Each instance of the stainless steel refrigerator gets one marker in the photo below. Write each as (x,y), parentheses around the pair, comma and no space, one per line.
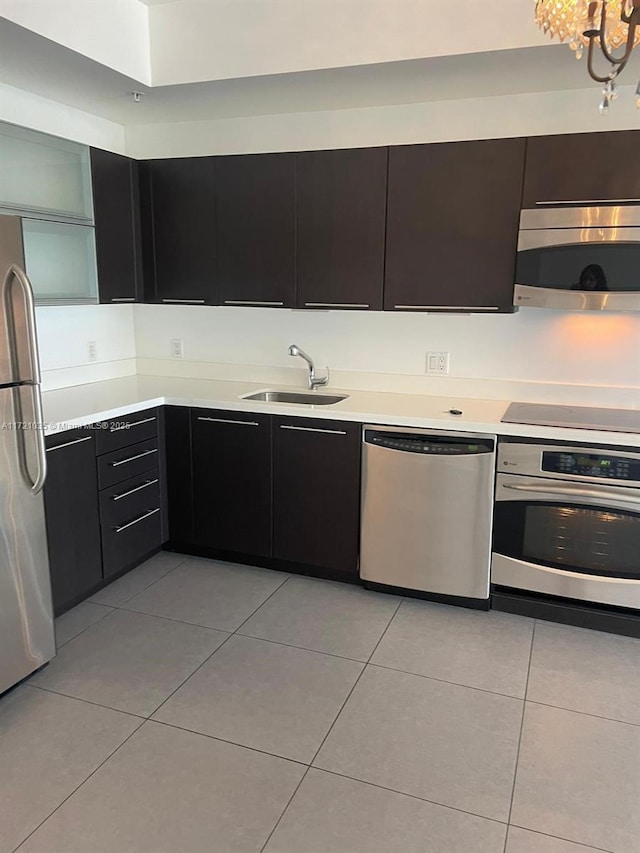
(26,615)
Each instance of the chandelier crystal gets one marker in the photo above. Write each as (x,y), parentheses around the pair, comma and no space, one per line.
(610,27)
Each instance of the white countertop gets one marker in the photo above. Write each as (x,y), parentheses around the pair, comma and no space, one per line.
(97,401)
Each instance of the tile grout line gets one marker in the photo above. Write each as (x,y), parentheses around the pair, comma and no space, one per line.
(517,761)
(357,681)
(208,658)
(77,788)
(144,589)
(109,607)
(262,604)
(310,765)
(444,681)
(302,648)
(561,838)
(582,713)
(230,742)
(289,801)
(87,701)
(412,796)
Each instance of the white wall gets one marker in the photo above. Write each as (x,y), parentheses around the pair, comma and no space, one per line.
(493,356)
(194,40)
(43,114)
(112,32)
(63,336)
(572,111)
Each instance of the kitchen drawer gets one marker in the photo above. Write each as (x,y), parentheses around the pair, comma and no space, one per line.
(125,430)
(127,544)
(130,499)
(129,462)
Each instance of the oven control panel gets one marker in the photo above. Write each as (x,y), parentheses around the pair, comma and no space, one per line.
(603,466)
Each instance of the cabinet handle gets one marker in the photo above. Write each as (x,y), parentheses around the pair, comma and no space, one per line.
(132,458)
(251,302)
(225,421)
(184,301)
(123,299)
(337,304)
(133,491)
(451,307)
(69,443)
(588,201)
(136,521)
(312,429)
(132,424)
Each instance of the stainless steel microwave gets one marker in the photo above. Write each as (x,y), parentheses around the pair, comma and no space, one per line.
(579,258)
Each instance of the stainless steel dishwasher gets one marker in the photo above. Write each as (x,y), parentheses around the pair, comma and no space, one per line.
(426,517)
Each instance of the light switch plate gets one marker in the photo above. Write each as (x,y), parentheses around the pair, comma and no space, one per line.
(177,348)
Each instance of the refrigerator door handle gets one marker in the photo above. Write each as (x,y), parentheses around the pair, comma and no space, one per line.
(36,426)
(33,380)
(30,317)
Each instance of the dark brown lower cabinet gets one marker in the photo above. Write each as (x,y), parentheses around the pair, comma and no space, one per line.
(179,484)
(131,490)
(73,518)
(231,457)
(316,493)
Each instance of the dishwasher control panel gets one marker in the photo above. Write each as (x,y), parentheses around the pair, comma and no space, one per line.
(432,445)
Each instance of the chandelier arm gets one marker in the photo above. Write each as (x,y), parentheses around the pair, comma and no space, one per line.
(635,11)
(590,68)
(631,37)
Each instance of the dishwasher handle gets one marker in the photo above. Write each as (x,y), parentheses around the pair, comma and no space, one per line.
(429,444)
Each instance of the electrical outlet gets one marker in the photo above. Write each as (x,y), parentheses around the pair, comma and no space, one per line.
(177,348)
(92,350)
(438,363)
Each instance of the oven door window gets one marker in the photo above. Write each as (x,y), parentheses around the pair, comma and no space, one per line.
(589,540)
(585,267)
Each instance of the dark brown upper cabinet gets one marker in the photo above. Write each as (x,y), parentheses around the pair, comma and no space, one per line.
(178,197)
(117,221)
(341,224)
(582,167)
(316,493)
(255,198)
(452,225)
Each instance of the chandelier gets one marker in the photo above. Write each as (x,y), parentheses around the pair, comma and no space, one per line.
(610,27)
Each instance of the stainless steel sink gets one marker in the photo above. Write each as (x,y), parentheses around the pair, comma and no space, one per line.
(302,398)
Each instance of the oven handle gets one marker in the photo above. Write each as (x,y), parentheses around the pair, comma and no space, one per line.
(572,491)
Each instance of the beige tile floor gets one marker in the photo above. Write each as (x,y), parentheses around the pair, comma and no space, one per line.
(200,707)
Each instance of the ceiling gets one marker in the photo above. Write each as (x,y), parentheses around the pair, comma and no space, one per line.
(31,62)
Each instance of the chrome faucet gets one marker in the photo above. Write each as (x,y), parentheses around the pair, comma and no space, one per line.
(314,382)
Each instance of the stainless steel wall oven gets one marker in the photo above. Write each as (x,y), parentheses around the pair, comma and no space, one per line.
(567,522)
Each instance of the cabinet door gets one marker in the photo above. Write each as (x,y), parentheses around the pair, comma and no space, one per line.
(256,229)
(116,213)
(452,225)
(316,493)
(73,519)
(179,480)
(232,481)
(183,209)
(340,227)
(582,167)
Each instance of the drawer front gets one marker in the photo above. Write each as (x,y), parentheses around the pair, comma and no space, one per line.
(129,462)
(125,430)
(129,543)
(128,500)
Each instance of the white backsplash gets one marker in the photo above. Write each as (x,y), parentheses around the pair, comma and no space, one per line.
(63,336)
(546,356)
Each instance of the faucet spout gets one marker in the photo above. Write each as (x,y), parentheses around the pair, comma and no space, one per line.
(314,381)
